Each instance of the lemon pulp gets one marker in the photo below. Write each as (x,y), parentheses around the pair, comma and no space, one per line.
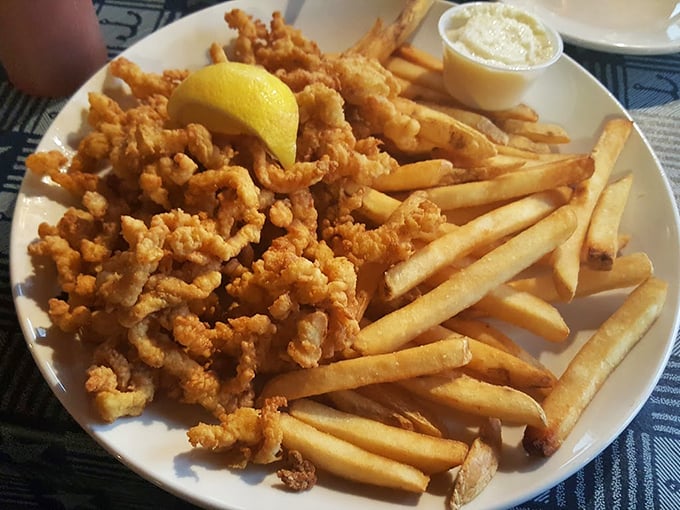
(234,98)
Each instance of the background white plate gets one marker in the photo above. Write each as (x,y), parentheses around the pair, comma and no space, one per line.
(155,444)
(642,27)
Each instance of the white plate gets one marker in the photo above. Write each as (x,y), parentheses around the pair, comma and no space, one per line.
(155,444)
(636,27)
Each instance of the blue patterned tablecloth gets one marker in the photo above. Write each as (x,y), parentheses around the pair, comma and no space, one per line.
(47,461)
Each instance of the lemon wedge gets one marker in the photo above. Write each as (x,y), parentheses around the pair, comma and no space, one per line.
(234,98)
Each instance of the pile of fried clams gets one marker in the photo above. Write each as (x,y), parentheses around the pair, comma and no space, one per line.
(197,267)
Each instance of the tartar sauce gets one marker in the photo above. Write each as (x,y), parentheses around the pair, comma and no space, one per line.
(501,36)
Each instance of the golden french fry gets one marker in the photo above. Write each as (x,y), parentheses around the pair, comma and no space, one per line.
(426,453)
(381,41)
(567,257)
(377,206)
(524,310)
(627,271)
(463,215)
(493,337)
(526,144)
(518,152)
(353,373)
(348,461)
(416,74)
(551,174)
(602,240)
(457,243)
(479,466)
(494,364)
(354,402)
(540,132)
(416,92)
(421,174)
(520,112)
(470,395)
(593,364)
(422,417)
(467,286)
(419,57)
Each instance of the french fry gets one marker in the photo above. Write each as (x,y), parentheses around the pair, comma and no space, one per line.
(527,144)
(567,257)
(422,417)
(353,373)
(470,395)
(463,215)
(496,365)
(627,271)
(381,41)
(593,364)
(410,90)
(540,132)
(419,57)
(524,310)
(479,466)
(453,245)
(351,401)
(602,242)
(426,453)
(466,286)
(421,174)
(348,461)
(416,74)
(549,175)
(520,112)
(492,337)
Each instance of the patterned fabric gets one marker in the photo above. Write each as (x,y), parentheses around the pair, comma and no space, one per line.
(47,461)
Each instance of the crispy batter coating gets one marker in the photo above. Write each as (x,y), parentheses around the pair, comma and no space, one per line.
(254,434)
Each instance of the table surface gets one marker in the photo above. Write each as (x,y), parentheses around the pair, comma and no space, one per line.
(47,461)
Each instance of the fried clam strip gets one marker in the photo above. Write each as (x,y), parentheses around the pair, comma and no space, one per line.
(325,133)
(248,434)
(309,292)
(120,387)
(366,86)
(195,383)
(593,364)
(466,286)
(427,453)
(354,373)
(415,219)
